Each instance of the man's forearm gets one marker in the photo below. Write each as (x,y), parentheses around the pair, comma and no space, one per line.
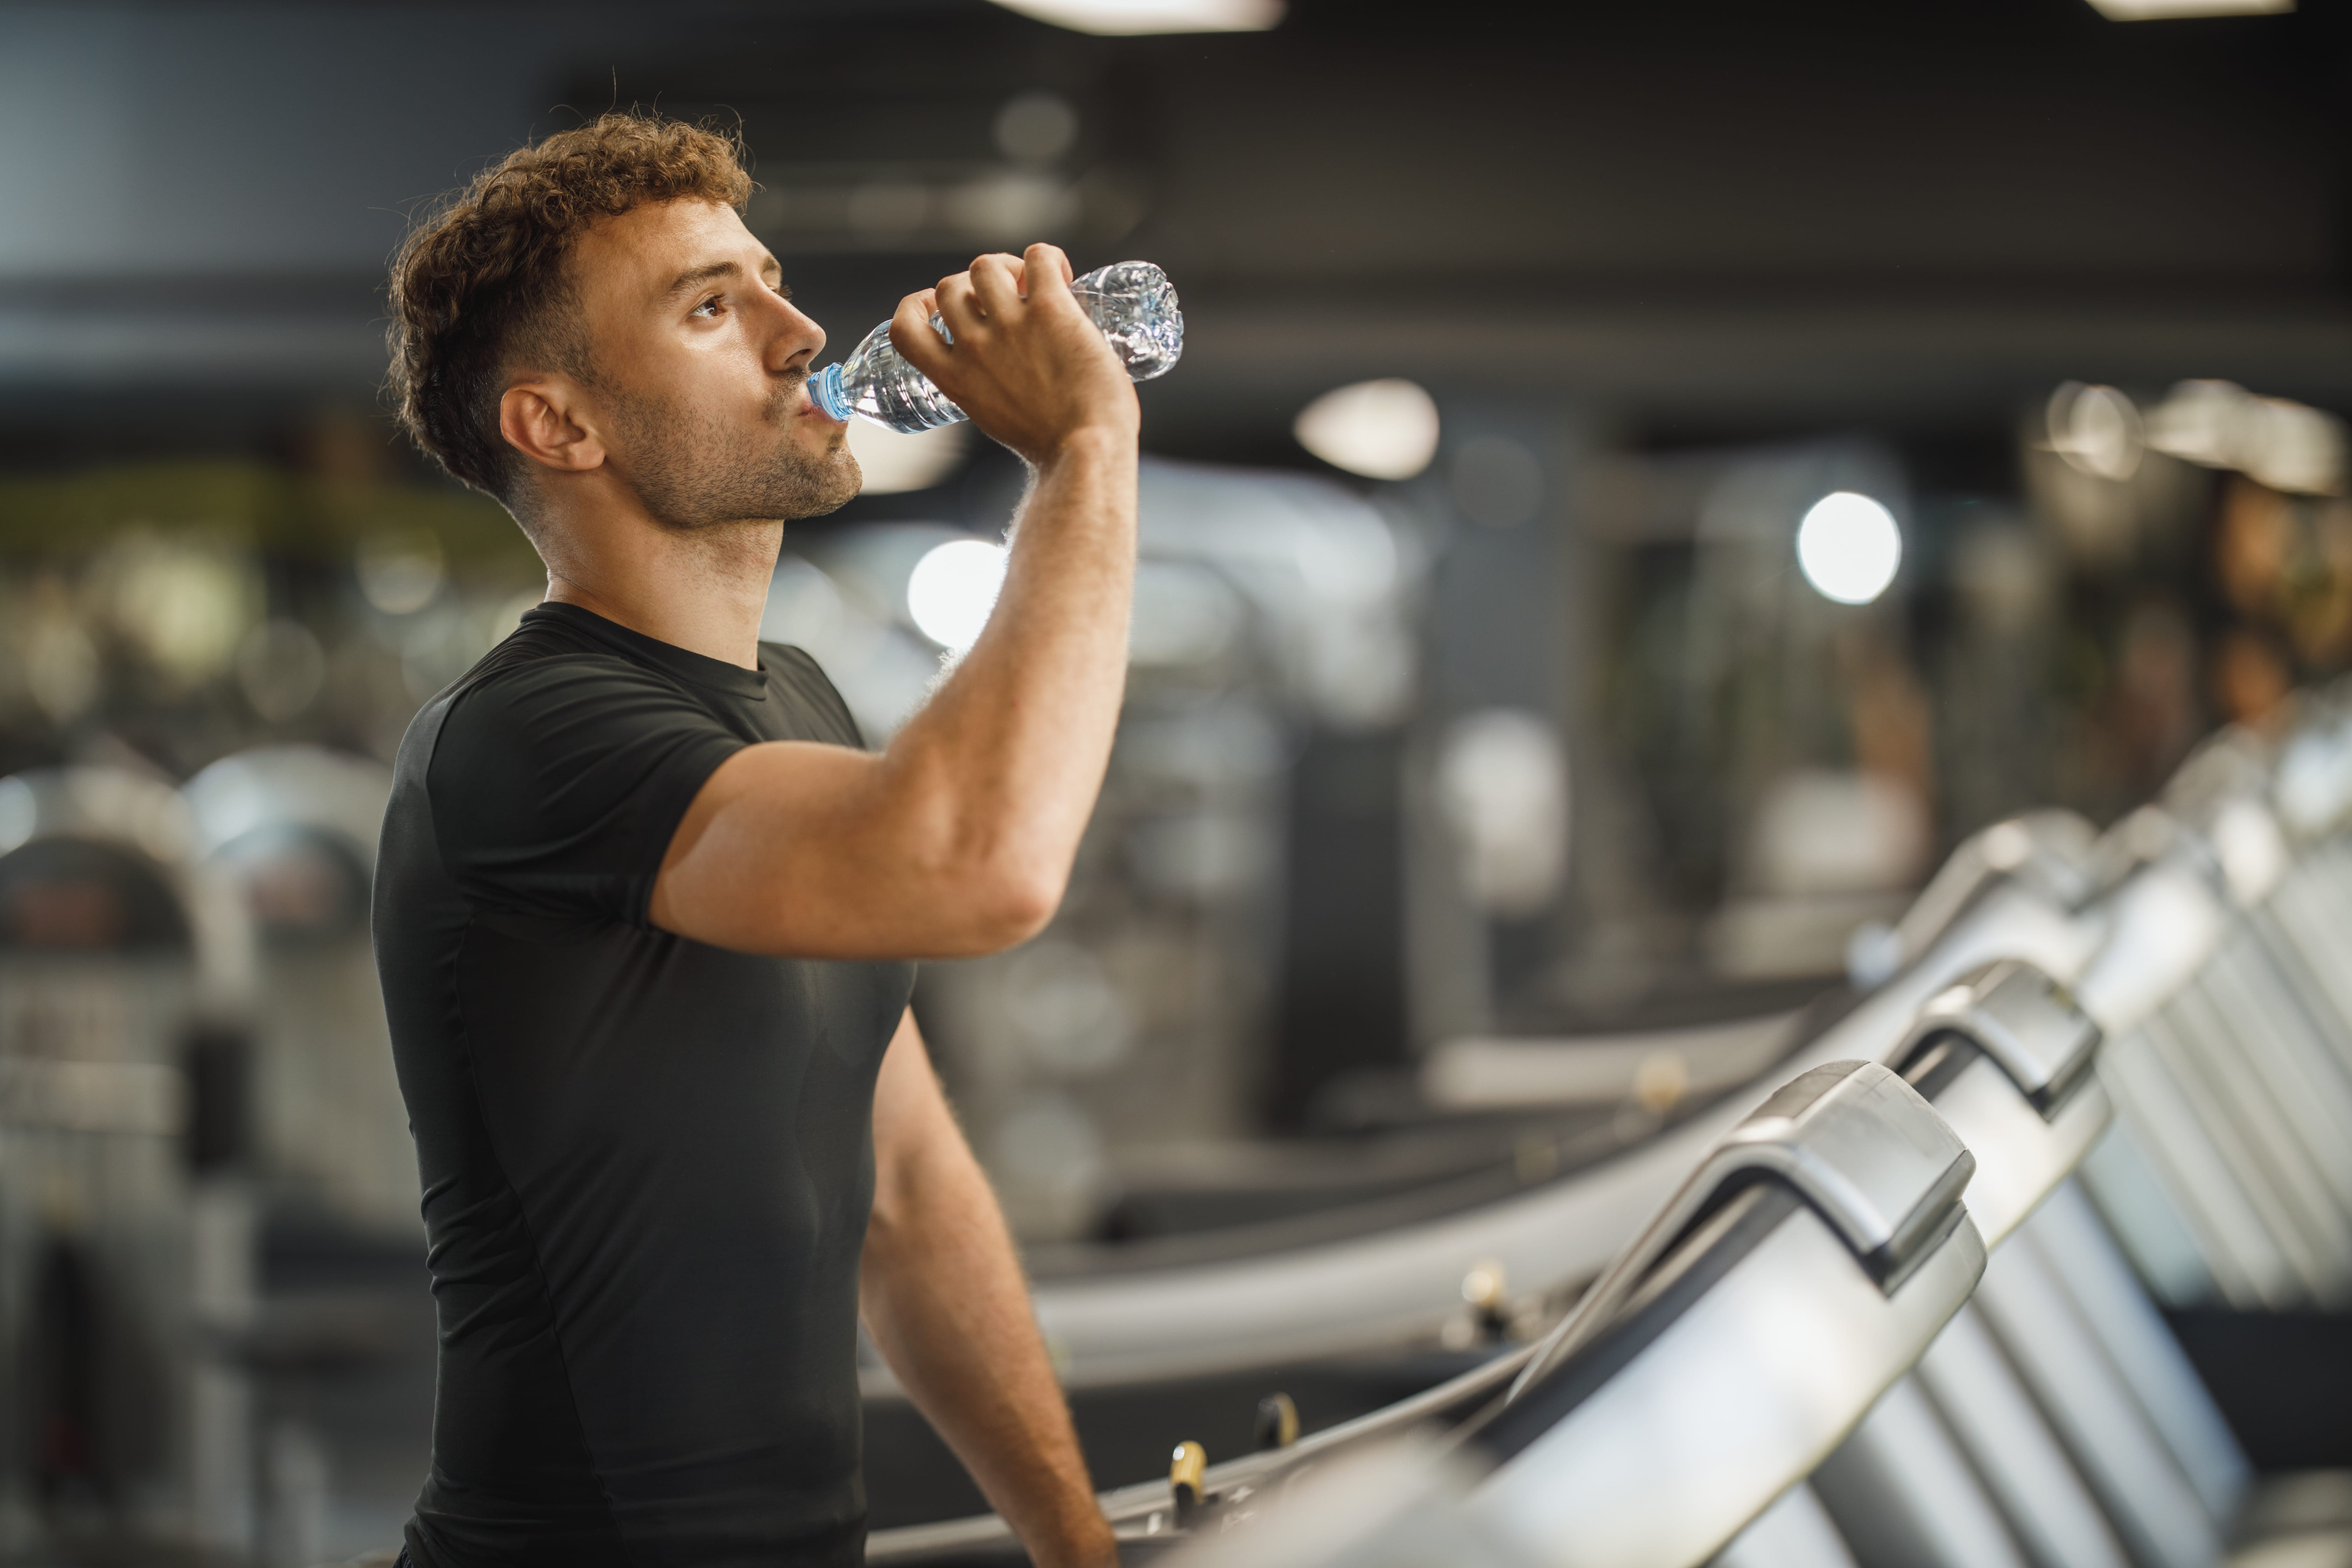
(1016,741)
(944,1300)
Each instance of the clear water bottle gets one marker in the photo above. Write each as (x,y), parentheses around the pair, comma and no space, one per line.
(1131,301)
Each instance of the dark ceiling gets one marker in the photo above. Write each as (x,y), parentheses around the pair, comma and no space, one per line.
(1716,215)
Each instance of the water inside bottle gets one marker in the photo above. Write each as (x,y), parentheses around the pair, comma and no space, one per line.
(1131,301)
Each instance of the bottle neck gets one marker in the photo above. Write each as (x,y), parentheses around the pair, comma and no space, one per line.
(826,390)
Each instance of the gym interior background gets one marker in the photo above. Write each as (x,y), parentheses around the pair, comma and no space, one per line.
(1642,485)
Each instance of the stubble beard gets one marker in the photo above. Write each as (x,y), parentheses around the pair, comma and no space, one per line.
(693,472)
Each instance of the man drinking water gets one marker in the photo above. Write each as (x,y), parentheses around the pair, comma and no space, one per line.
(646,909)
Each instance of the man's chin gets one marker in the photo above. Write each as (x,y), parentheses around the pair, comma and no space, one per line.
(839,481)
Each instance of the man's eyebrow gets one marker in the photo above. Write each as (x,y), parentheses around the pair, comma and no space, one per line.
(695,277)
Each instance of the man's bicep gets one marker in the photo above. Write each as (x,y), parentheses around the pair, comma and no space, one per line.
(767,856)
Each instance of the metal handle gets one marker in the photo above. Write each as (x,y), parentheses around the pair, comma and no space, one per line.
(2030,1026)
(1855,1141)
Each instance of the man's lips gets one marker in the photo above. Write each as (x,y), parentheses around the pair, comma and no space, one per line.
(798,405)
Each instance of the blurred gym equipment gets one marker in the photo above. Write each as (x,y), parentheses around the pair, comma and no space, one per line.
(2055,1422)
(1802,1267)
(126,1228)
(294,828)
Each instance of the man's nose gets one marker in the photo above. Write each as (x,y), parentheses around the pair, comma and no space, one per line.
(798,339)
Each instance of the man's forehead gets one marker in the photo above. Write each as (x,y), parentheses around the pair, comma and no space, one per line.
(649,245)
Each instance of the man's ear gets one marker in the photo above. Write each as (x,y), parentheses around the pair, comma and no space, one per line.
(539,419)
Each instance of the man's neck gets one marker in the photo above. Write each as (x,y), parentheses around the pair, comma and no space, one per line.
(702,590)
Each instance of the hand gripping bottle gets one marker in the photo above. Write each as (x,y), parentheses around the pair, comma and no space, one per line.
(1131,301)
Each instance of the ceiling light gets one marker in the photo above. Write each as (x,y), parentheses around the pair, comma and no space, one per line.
(2297,449)
(2097,430)
(1380,429)
(2287,446)
(1848,547)
(1133,17)
(2168,10)
(953,588)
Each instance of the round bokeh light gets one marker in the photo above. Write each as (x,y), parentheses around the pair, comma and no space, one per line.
(953,588)
(1848,547)
(1380,429)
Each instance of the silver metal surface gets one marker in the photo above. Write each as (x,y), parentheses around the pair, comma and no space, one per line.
(2146,1222)
(1746,1391)
(2025,1103)
(2026,1022)
(1855,1140)
(2304,965)
(2019,1156)
(1864,1148)
(1395,1504)
(2218,1067)
(2312,787)
(2051,853)
(1903,1496)
(2066,1234)
(2234,1231)
(2315,915)
(1735,1397)
(2252,999)
(2050,1510)
(2165,920)
(1794,1532)
(2221,796)
(2180,1048)
(1143,1511)
(2145,1492)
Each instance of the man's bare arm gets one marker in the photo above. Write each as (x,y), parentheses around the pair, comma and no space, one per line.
(958,838)
(942,1295)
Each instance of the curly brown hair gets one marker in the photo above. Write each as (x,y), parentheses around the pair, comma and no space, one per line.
(478,287)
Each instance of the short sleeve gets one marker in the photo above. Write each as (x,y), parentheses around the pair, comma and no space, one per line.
(557,785)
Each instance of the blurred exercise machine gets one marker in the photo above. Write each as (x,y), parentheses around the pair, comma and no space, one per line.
(295,829)
(126,1235)
(2056,1421)
(342,1301)
(1804,1265)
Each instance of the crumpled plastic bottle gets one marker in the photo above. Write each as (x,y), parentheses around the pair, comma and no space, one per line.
(1131,301)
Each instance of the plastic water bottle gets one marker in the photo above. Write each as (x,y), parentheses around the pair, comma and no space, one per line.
(1131,301)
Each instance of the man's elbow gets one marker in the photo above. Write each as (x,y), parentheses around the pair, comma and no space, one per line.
(1007,905)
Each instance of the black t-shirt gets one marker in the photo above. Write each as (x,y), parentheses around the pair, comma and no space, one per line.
(648,1163)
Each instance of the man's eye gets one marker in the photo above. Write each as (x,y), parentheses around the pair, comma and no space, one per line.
(709,308)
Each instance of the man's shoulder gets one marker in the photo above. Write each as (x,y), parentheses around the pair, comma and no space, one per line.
(541,661)
(546,697)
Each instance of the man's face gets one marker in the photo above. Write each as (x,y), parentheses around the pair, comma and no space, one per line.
(700,367)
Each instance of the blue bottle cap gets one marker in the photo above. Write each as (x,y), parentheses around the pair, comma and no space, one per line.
(826,390)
